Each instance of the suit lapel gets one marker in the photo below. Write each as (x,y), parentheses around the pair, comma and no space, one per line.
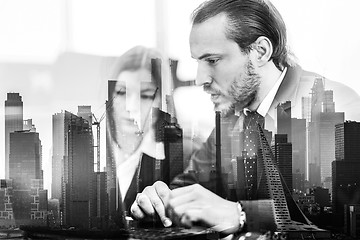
(288,89)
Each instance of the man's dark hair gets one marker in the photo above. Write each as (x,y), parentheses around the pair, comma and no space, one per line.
(248,20)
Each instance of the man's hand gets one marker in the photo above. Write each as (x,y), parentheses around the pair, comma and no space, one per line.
(152,201)
(187,206)
(195,204)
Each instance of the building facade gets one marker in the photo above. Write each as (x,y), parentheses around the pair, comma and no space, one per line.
(13,122)
(25,158)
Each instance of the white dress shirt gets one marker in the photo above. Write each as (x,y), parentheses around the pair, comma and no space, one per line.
(126,165)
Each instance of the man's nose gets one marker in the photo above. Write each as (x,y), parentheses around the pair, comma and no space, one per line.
(202,76)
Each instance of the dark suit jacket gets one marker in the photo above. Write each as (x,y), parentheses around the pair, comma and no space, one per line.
(144,176)
(297,84)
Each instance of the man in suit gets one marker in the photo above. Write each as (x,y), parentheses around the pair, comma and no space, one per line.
(243,63)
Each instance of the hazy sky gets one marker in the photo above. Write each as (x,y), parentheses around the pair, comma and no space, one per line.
(323,34)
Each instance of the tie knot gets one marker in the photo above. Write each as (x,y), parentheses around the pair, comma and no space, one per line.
(247,111)
(250,114)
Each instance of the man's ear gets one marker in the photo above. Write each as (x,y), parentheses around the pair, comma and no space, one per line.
(264,50)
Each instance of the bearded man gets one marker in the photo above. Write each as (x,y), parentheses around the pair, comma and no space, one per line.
(244,64)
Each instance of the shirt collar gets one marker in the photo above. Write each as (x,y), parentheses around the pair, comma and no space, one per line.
(152,148)
(269,98)
(147,146)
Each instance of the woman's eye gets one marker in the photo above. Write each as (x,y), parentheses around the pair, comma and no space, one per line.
(146,96)
(121,92)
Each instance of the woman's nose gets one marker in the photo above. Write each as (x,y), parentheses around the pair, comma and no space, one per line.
(133,105)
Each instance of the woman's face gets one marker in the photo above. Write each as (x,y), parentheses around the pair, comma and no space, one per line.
(133,99)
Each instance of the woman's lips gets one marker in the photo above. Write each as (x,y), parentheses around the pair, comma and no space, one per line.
(129,121)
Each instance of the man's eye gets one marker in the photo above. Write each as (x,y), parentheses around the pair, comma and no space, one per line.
(212,60)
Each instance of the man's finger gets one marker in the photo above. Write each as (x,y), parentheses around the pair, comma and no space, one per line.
(160,201)
(144,202)
(187,189)
(179,200)
(136,211)
(189,217)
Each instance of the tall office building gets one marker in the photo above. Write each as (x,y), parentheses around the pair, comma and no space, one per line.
(282,151)
(13,122)
(85,113)
(59,131)
(283,115)
(78,173)
(172,136)
(73,155)
(100,199)
(298,181)
(306,108)
(346,168)
(352,221)
(328,120)
(25,158)
(347,139)
(321,145)
(99,206)
(328,104)
(345,187)
(299,146)
(316,99)
(110,161)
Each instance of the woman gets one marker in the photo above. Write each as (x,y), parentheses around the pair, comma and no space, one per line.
(131,118)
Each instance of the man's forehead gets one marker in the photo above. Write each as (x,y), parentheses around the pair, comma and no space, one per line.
(208,37)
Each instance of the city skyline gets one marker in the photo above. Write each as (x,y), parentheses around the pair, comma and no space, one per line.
(39,86)
(62,67)
(281,149)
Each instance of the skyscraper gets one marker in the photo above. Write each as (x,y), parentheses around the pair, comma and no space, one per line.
(317,93)
(85,113)
(321,143)
(282,150)
(110,161)
(100,199)
(172,136)
(59,121)
(25,158)
(347,139)
(283,115)
(73,155)
(78,173)
(173,143)
(306,108)
(345,187)
(299,146)
(328,120)
(346,168)
(13,122)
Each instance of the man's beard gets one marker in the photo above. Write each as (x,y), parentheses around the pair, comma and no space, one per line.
(243,91)
(245,88)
